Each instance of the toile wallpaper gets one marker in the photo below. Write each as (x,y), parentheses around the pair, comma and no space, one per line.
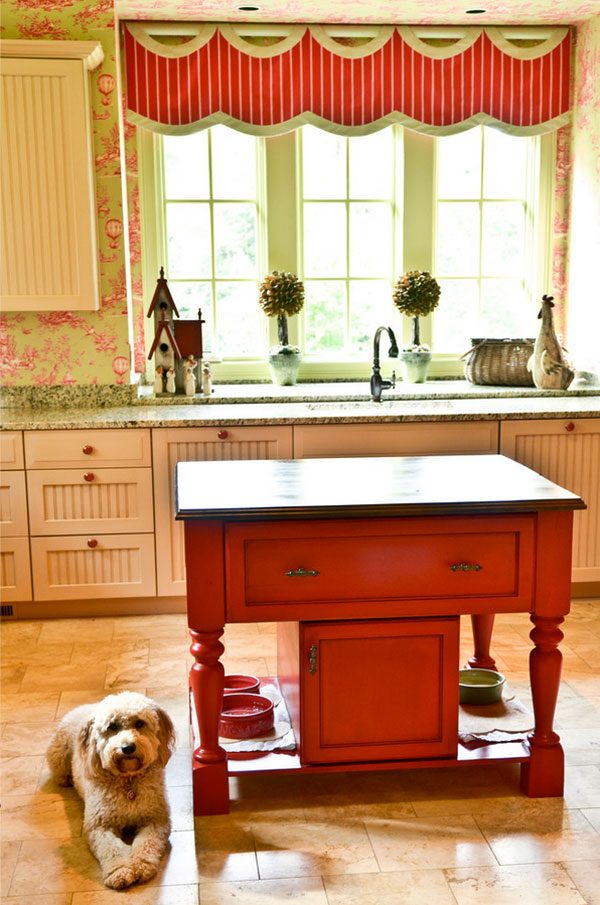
(584,229)
(62,347)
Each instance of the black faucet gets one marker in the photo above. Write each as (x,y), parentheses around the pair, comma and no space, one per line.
(377,382)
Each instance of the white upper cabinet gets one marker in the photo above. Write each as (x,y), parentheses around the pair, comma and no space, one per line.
(48,215)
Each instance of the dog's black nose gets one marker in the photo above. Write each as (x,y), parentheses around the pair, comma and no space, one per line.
(128,749)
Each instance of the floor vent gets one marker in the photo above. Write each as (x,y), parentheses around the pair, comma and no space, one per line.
(6,609)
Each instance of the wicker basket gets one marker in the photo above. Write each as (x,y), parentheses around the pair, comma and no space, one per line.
(499,362)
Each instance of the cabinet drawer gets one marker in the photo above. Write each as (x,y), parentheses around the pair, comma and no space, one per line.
(74,568)
(15,573)
(377,567)
(90,448)
(13,504)
(378,690)
(11,450)
(388,439)
(105,500)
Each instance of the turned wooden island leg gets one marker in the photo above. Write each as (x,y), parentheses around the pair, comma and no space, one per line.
(543,774)
(206,621)
(483,625)
(211,791)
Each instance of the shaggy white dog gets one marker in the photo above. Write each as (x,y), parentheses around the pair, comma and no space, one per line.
(114,753)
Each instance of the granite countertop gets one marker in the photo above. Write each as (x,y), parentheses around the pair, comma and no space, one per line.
(333,403)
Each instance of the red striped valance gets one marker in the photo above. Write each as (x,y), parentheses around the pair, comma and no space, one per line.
(218,77)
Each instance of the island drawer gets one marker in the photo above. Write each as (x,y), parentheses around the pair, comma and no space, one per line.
(70,448)
(377,567)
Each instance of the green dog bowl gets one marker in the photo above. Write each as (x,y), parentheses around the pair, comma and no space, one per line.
(479,686)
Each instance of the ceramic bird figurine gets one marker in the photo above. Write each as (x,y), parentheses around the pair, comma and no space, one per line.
(548,365)
(170,380)
(189,376)
(158,380)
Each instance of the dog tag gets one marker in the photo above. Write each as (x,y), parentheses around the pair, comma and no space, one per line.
(131,795)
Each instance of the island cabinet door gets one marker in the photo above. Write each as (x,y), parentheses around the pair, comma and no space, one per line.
(378,690)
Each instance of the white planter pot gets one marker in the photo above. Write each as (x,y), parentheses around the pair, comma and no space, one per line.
(414,366)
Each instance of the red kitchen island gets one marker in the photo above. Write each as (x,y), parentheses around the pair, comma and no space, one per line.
(366,565)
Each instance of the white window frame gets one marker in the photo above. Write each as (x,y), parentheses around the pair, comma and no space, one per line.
(280,174)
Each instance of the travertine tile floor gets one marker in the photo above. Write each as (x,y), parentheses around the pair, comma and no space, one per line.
(439,837)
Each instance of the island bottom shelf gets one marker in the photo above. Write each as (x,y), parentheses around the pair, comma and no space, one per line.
(242,763)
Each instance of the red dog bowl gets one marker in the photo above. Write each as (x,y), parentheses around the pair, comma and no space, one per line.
(245,715)
(241,683)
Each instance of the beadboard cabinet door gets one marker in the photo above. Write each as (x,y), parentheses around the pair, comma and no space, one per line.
(395,439)
(48,211)
(173,445)
(87,568)
(567,452)
(15,567)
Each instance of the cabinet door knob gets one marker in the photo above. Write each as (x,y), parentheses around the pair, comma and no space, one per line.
(92,542)
(88,476)
(222,435)
(465,567)
(569,426)
(87,450)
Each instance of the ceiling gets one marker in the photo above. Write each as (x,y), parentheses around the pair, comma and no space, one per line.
(411,12)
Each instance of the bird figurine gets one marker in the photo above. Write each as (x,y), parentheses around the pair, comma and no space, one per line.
(548,365)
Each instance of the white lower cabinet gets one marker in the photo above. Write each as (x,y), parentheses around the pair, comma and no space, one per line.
(91,514)
(15,570)
(568,453)
(191,444)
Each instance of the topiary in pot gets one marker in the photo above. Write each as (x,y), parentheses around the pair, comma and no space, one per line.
(282,295)
(416,294)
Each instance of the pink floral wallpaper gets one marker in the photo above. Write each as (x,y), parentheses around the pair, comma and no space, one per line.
(584,228)
(84,347)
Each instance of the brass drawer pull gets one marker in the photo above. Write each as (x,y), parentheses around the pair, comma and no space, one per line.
(312,659)
(302,573)
(465,567)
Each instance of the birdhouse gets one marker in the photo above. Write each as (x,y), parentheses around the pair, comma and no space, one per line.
(175,341)
(162,305)
(164,348)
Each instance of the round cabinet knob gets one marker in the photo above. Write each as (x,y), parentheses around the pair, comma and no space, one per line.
(569,426)
(222,435)
(88,476)
(92,542)
(87,450)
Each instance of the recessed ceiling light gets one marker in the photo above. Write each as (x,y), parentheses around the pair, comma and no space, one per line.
(475,12)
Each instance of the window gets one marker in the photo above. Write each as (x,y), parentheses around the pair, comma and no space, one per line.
(212,237)
(486,226)
(350,231)
(349,215)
